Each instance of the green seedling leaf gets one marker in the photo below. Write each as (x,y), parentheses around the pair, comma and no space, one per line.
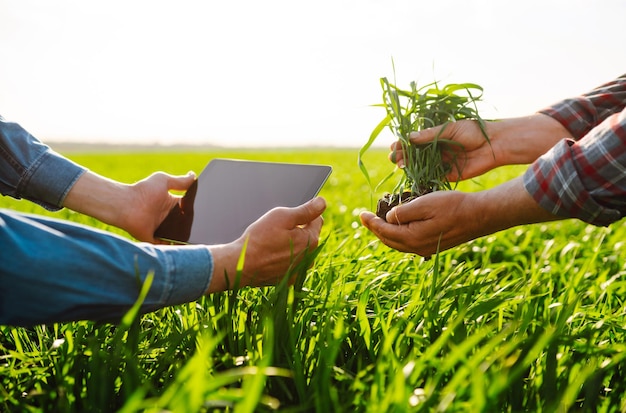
(377,130)
(416,108)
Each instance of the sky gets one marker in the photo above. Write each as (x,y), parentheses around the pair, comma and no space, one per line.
(277,73)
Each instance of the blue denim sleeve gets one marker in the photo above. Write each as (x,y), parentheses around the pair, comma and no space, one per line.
(56,271)
(31,170)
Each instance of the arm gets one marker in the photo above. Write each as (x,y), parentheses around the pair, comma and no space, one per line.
(31,170)
(275,242)
(522,140)
(431,222)
(581,179)
(54,271)
(58,271)
(583,113)
(513,141)
(138,208)
(584,179)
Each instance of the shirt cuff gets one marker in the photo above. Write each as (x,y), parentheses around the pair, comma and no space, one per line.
(554,183)
(578,115)
(189,275)
(50,179)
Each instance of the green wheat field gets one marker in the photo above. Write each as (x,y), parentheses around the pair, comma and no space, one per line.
(531,319)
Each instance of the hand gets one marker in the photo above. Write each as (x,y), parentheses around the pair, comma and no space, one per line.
(151,202)
(276,242)
(512,141)
(474,156)
(138,208)
(430,223)
(444,219)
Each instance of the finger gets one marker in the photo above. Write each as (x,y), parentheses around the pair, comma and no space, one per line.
(396,146)
(425,135)
(393,156)
(312,230)
(389,234)
(397,157)
(182,182)
(366,218)
(408,212)
(306,213)
(376,224)
(392,216)
(396,151)
(315,227)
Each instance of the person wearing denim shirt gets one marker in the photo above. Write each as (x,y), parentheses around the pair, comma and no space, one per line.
(54,270)
(576,149)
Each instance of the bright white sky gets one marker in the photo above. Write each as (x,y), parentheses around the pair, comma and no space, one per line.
(285,72)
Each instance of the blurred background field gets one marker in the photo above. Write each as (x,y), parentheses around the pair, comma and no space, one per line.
(528,319)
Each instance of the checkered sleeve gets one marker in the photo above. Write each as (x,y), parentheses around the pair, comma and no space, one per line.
(583,113)
(584,179)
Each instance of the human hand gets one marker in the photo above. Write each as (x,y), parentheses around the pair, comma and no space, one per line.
(513,141)
(138,208)
(473,155)
(425,225)
(150,203)
(275,243)
(444,219)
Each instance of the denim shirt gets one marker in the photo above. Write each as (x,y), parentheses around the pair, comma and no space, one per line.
(31,170)
(54,271)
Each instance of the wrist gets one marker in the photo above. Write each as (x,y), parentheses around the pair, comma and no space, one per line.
(225,259)
(509,205)
(101,198)
(520,141)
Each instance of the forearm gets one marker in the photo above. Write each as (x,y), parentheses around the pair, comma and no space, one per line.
(519,141)
(55,271)
(506,206)
(101,198)
(137,208)
(522,140)
(581,177)
(444,219)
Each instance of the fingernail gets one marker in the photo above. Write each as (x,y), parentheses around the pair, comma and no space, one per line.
(318,202)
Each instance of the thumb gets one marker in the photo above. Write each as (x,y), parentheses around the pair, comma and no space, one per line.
(425,135)
(367,219)
(307,212)
(405,213)
(181,182)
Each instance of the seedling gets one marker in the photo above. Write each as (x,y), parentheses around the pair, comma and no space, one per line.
(413,110)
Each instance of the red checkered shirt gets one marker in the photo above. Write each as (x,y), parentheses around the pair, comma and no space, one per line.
(585,177)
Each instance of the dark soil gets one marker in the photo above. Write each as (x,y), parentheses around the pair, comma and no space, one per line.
(388,201)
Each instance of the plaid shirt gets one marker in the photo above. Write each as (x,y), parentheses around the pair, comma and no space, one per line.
(585,177)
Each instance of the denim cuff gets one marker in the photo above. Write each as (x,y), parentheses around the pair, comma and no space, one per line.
(49,180)
(189,269)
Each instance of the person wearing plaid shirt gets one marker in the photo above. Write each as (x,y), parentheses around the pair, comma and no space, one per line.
(576,149)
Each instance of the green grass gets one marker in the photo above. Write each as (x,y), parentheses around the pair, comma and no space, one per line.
(529,319)
(417,108)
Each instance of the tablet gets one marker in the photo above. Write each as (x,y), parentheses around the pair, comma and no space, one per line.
(231,194)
